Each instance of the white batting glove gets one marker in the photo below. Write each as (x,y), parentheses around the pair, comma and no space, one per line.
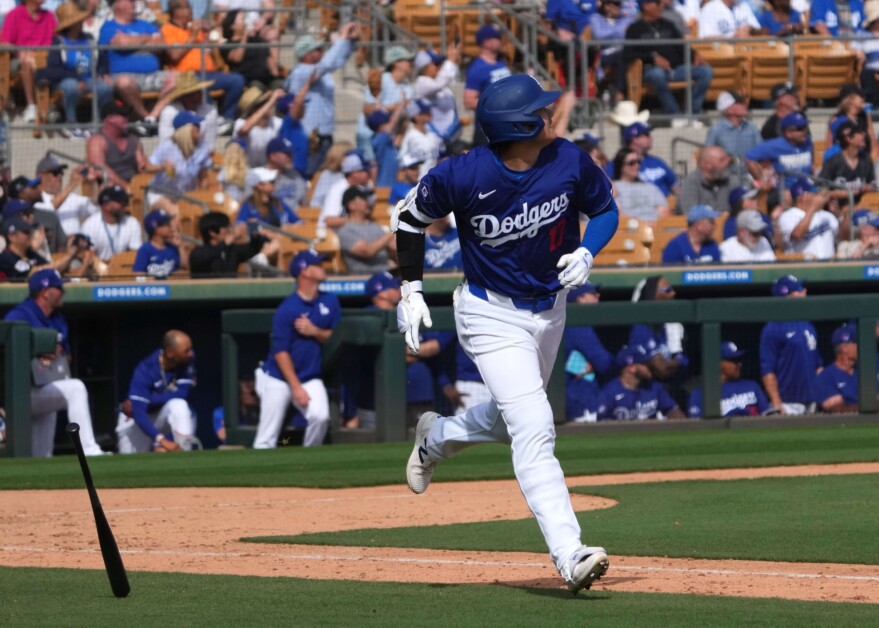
(575,268)
(411,312)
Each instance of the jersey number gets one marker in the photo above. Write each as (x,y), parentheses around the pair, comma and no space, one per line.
(557,234)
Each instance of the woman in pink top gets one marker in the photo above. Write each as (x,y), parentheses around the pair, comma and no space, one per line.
(28,25)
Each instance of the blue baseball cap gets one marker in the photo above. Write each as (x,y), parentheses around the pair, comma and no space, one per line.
(425,57)
(587,141)
(114,193)
(380,282)
(586,288)
(786,285)
(155,219)
(861,217)
(282,106)
(801,186)
(187,117)
(635,354)
(16,224)
(846,333)
(377,118)
(279,145)
(417,106)
(794,119)
(18,185)
(701,212)
(46,278)
(15,206)
(305,258)
(729,351)
(737,195)
(487,31)
(634,130)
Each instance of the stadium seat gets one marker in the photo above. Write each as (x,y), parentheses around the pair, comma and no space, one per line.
(767,65)
(638,88)
(120,265)
(729,68)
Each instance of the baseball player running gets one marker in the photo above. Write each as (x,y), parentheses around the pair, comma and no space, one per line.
(517,203)
(157,400)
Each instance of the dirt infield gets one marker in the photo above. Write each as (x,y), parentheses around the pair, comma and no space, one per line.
(196,530)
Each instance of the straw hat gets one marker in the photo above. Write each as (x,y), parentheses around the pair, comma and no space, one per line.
(626,113)
(251,97)
(872,12)
(69,14)
(187,83)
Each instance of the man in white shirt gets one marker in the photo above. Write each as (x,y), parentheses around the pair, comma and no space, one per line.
(112,230)
(357,173)
(748,245)
(726,19)
(420,143)
(71,208)
(809,228)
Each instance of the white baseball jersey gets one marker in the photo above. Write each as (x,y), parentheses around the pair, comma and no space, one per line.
(733,251)
(718,20)
(421,146)
(819,241)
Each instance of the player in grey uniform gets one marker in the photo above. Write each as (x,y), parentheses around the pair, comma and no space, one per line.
(517,203)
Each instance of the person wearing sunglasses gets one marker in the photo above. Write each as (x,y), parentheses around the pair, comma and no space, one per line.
(636,198)
(790,152)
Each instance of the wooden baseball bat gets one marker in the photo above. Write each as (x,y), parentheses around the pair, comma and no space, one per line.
(109,550)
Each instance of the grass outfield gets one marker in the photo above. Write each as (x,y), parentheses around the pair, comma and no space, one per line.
(371,465)
(56,597)
(806,519)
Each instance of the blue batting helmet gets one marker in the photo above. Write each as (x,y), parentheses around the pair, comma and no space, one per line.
(507,108)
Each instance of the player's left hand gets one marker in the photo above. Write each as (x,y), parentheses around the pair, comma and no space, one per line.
(575,268)
(411,312)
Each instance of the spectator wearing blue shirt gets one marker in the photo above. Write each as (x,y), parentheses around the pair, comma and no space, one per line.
(158,257)
(653,169)
(156,403)
(825,19)
(291,109)
(290,187)
(836,387)
(484,70)
(570,17)
(790,152)
(410,173)
(585,359)
(634,395)
(262,205)
(780,20)
(442,249)
(789,358)
(696,245)
(292,371)
(734,133)
(386,138)
(180,162)
(738,397)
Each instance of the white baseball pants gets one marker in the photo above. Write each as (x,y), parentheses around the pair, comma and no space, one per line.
(275,397)
(175,414)
(46,401)
(515,351)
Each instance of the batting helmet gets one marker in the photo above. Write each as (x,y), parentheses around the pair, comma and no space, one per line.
(507,108)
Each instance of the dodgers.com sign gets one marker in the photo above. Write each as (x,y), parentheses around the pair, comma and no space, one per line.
(871,272)
(715,276)
(338,286)
(136,292)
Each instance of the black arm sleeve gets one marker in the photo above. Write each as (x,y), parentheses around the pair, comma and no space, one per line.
(410,255)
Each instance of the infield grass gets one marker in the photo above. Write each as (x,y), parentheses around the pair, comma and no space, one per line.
(64,597)
(804,519)
(342,466)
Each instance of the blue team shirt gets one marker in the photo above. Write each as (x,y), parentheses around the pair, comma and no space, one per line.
(825,11)
(514,226)
(784,156)
(583,394)
(156,262)
(279,214)
(740,398)
(654,340)
(128,61)
(465,368)
(420,374)
(790,350)
(292,130)
(767,20)
(481,74)
(572,15)
(324,312)
(834,381)
(151,388)
(399,190)
(386,158)
(619,403)
(29,312)
(653,170)
(443,252)
(679,250)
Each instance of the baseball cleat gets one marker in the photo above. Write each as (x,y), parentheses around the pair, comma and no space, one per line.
(585,567)
(420,467)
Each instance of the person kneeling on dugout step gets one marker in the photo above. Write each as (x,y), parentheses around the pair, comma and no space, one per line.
(157,400)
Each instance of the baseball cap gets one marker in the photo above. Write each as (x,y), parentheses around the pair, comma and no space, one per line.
(16,224)
(587,141)
(787,284)
(487,31)
(50,164)
(279,145)
(355,191)
(15,206)
(113,193)
(258,175)
(586,288)
(727,99)
(729,351)
(305,258)
(155,219)
(354,162)
(800,187)
(117,108)
(306,44)
(874,222)
(740,193)
(751,220)
(377,118)
(794,119)
(635,354)
(19,184)
(282,106)
(380,282)
(634,130)
(843,129)
(701,212)
(782,89)
(410,161)
(425,58)
(846,333)
(397,53)
(417,106)
(186,117)
(861,217)
(46,278)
